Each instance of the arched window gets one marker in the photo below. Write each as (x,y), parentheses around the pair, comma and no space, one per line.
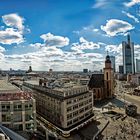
(107,75)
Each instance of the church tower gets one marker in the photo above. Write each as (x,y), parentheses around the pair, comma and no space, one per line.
(108,78)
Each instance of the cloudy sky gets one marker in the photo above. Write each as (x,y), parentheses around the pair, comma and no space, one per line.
(66,34)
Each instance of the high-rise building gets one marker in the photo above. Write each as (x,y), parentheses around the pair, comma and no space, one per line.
(128,56)
(121,69)
(85,70)
(138,65)
(112,58)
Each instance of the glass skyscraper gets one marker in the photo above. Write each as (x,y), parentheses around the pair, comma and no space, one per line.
(128,56)
(112,58)
(138,65)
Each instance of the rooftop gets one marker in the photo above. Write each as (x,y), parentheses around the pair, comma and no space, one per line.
(10,92)
(58,90)
(6,86)
(96,81)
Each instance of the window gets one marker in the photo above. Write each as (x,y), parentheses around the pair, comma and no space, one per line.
(107,75)
(17,107)
(81,110)
(29,106)
(75,113)
(6,117)
(86,114)
(81,117)
(69,123)
(28,117)
(69,109)
(18,127)
(75,100)
(81,104)
(5,107)
(90,100)
(86,108)
(75,106)
(75,120)
(68,102)
(69,116)
(17,117)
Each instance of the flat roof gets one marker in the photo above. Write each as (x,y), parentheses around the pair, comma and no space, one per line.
(6,86)
(63,88)
(33,82)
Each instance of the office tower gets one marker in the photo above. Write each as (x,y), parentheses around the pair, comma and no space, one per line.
(128,56)
(121,69)
(112,58)
(138,65)
(85,70)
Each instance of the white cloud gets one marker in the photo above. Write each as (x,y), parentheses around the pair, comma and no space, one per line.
(90,28)
(36,45)
(13,33)
(52,40)
(95,30)
(131,16)
(115,27)
(114,48)
(87,29)
(2,49)
(99,4)
(14,20)
(10,36)
(83,44)
(132,3)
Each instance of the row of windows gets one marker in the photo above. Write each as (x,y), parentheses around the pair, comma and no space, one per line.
(16,107)
(15,117)
(78,119)
(70,101)
(69,116)
(79,105)
(49,105)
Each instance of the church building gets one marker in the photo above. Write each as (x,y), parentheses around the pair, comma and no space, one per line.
(102,84)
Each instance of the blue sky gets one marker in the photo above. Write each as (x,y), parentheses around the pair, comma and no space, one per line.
(66,34)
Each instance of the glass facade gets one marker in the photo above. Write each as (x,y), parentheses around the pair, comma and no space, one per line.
(138,65)
(128,57)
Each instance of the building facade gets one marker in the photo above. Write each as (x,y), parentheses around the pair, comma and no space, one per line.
(128,56)
(121,69)
(112,58)
(108,78)
(102,84)
(138,65)
(17,108)
(66,109)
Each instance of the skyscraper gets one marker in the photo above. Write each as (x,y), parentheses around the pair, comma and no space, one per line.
(112,58)
(128,56)
(138,65)
(121,69)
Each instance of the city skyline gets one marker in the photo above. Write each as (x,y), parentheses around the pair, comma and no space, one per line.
(66,35)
